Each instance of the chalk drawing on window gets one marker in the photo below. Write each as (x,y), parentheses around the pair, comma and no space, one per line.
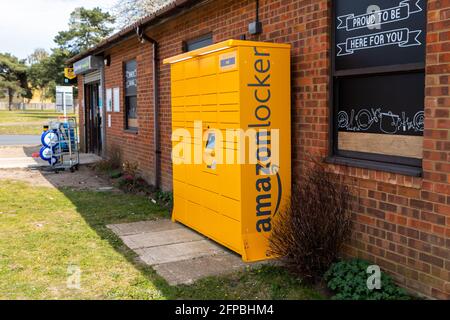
(379,17)
(385,122)
(401,37)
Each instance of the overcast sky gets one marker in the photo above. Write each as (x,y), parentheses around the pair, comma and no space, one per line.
(29,24)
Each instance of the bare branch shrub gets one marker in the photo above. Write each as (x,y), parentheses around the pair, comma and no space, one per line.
(113,162)
(309,234)
(115,157)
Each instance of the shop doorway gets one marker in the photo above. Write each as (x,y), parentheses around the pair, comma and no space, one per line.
(93,118)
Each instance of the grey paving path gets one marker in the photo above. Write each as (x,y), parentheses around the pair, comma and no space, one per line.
(19,157)
(188,271)
(154,239)
(126,229)
(177,253)
(15,140)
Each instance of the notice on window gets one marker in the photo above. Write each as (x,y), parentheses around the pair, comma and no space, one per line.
(116,99)
(108,100)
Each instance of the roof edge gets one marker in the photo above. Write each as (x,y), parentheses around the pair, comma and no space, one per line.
(166,11)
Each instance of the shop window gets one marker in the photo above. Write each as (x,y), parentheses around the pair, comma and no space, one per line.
(200,42)
(378,83)
(131,119)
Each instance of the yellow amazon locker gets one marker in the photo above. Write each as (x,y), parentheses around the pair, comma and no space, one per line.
(232,142)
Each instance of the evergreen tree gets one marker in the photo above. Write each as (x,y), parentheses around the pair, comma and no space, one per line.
(86,29)
(13,77)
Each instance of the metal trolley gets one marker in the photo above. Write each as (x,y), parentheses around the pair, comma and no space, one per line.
(66,149)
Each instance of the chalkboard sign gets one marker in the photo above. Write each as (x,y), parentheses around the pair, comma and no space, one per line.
(373,33)
(130,78)
(387,104)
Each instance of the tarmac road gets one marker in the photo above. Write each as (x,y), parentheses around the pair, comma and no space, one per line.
(19,140)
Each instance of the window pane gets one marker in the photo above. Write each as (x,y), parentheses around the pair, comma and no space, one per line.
(198,43)
(130,94)
(382,114)
(379,33)
(131,78)
(379,80)
(131,107)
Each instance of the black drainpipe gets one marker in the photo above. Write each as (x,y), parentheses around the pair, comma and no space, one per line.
(255,27)
(257,11)
(156,137)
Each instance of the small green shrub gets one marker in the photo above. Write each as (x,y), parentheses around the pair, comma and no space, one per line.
(115,174)
(165,198)
(348,279)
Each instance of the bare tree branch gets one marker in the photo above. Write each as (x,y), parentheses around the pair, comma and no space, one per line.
(129,11)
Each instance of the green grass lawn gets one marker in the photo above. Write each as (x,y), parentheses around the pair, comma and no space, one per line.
(33,129)
(25,122)
(43,231)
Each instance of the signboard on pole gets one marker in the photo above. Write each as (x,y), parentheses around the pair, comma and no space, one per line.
(64,99)
(69,76)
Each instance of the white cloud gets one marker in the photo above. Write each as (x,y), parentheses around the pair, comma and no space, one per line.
(29,24)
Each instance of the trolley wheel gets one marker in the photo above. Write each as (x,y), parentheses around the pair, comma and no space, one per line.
(77,167)
(72,169)
(58,170)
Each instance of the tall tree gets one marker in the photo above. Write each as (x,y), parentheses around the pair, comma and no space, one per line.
(129,11)
(38,76)
(37,56)
(86,29)
(13,77)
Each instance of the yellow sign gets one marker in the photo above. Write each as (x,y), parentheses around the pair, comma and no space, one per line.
(69,74)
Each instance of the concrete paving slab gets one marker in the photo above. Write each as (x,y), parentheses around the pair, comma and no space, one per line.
(189,271)
(126,229)
(155,239)
(179,252)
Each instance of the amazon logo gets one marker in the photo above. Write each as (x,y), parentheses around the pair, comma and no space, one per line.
(267,202)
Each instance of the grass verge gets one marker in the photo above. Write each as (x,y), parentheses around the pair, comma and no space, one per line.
(25,122)
(44,231)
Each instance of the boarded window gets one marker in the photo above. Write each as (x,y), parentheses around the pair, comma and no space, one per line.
(379,80)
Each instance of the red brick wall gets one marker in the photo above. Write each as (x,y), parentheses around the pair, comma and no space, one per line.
(135,147)
(401,223)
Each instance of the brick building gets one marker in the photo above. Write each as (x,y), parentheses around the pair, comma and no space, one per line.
(402,221)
